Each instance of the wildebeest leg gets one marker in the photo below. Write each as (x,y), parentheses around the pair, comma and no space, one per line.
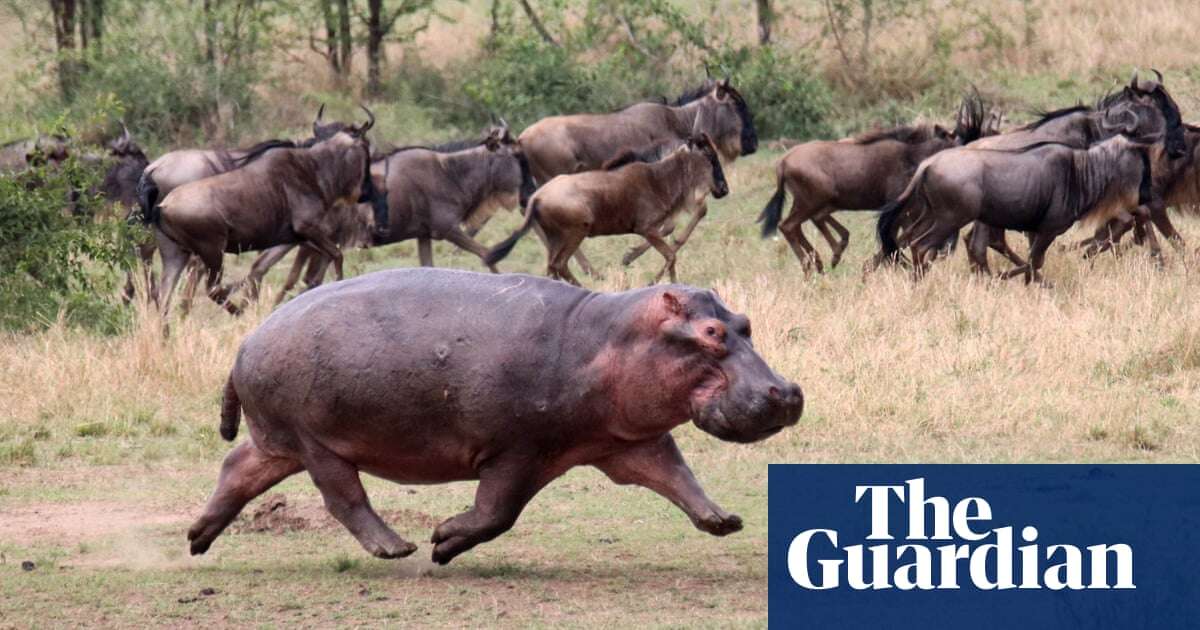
(824,223)
(1142,221)
(329,248)
(1158,214)
(261,266)
(214,262)
(1107,236)
(793,230)
(561,263)
(302,258)
(584,263)
(667,252)
(679,241)
(246,473)
(999,242)
(455,235)
(425,251)
(636,251)
(503,492)
(174,258)
(659,466)
(347,501)
(193,283)
(976,241)
(317,266)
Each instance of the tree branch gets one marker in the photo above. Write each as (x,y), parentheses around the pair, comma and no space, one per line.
(537,24)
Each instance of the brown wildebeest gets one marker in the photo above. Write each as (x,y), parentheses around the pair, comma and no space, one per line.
(561,145)
(435,375)
(861,173)
(287,196)
(1043,189)
(634,198)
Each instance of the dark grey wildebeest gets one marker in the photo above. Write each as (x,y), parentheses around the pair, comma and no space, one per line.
(289,195)
(1043,190)
(432,193)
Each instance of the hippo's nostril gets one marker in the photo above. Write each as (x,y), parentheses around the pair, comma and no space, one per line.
(774,394)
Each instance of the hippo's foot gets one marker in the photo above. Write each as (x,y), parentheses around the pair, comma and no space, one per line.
(399,548)
(720,524)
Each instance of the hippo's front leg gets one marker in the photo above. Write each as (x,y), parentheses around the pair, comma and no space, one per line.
(659,466)
(502,493)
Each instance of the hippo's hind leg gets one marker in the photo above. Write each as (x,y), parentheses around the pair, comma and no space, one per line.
(347,501)
(502,493)
(659,466)
(246,473)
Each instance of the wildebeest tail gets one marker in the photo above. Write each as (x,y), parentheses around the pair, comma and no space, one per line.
(147,194)
(505,247)
(231,411)
(773,211)
(889,214)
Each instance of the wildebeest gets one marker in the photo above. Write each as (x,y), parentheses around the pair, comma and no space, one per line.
(1042,189)
(432,193)
(1155,116)
(861,173)
(434,375)
(560,145)
(287,196)
(1176,184)
(19,155)
(634,198)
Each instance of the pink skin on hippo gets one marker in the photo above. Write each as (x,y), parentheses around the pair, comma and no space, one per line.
(435,375)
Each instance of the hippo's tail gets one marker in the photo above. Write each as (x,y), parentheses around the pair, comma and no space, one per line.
(502,250)
(231,411)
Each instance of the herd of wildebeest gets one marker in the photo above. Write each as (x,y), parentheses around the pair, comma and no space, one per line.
(430,376)
(1119,164)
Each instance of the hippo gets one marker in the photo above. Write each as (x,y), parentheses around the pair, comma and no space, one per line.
(424,376)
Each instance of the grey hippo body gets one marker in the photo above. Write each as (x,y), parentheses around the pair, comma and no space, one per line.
(433,375)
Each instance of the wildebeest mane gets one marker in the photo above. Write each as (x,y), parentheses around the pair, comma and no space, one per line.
(654,100)
(909,134)
(693,94)
(253,153)
(1045,117)
(453,146)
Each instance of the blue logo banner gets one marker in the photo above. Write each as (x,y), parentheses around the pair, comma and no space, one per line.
(984,546)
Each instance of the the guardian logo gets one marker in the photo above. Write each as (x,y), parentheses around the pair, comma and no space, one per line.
(945,546)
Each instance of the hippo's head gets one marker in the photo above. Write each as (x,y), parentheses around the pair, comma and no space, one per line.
(732,393)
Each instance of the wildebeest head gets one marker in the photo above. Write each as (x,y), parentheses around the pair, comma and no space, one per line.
(368,191)
(513,173)
(325,130)
(703,144)
(725,117)
(50,150)
(734,394)
(1176,146)
(124,145)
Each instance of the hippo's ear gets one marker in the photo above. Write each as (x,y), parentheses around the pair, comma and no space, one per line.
(673,303)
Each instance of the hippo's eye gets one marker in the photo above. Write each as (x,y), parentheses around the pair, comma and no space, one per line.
(710,331)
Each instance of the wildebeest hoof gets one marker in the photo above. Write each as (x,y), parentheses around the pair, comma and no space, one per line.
(402,549)
(720,525)
(443,553)
(199,543)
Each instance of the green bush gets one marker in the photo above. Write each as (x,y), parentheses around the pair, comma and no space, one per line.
(788,98)
(53,260)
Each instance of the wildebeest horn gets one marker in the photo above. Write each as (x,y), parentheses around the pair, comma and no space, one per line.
(320,115)
(370,119)
(1123,128)
(124,131)
(1157,74)
(1133,81)
(503,123)
(707,71)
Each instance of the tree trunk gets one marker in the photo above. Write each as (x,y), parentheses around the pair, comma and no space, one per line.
(766,16)
(331,37)
(537,23)
(210,33)
(344,41)
(374,44)
(64,13)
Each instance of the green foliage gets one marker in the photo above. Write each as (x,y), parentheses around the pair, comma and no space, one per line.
(48,245)
(787,97)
